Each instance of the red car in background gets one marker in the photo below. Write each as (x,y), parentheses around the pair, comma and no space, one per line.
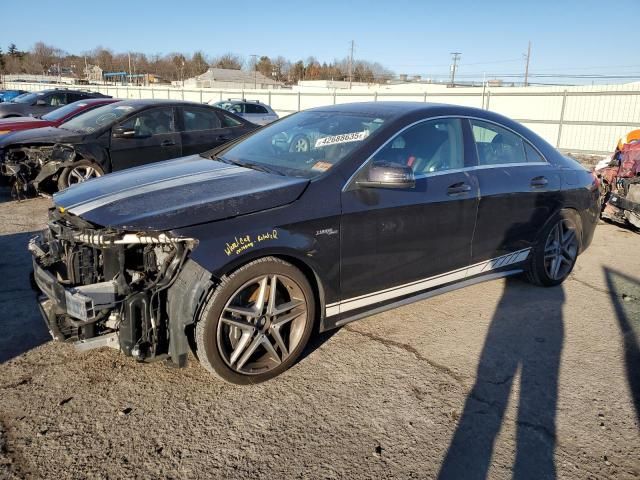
(53,118)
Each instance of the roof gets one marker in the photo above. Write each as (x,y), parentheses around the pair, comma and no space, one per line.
(235,76)
(147,102)
(396,110)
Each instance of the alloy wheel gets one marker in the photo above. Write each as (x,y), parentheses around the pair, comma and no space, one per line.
(82,173)
(561,250)
(262,324)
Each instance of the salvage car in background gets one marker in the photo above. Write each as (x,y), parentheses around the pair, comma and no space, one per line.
(620,179)
(251,110)
(113,137)
(39,103)
(53,118)
(244,251)
(8,95)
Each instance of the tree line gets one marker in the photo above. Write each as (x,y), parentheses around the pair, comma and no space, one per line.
(43,59)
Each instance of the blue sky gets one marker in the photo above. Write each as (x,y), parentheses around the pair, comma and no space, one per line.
(407,36)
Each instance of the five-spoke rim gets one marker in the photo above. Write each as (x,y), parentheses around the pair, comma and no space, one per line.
(262,324)
(82,174)
(561,250)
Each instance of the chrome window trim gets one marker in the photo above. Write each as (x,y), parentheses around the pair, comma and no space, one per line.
(456,170)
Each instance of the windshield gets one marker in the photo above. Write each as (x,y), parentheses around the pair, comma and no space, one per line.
(28,98)
(60,113)
(98,118)
(305,144)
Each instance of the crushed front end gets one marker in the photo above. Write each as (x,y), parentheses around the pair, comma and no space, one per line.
(107,287)
(34,168)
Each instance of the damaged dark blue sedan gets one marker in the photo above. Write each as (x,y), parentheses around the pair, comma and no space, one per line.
(244,252)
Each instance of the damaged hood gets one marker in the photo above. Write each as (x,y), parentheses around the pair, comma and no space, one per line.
(177,193)
(41,135)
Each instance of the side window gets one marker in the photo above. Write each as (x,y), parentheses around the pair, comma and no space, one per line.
(155,121)
(56,99)
(497,145)
(199,119)
(431,146)
(235,108)
(254,108)
(532,154)
(228,121)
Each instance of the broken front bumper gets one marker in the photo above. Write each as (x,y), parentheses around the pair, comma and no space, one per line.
(83,303)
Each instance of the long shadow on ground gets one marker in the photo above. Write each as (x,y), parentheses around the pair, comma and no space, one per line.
(624,292)
(21,326)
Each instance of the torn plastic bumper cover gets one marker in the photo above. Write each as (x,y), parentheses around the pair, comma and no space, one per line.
(103,287)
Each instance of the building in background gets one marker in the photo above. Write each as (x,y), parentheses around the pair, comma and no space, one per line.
(226,78)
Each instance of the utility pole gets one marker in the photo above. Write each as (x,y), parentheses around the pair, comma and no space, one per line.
(455,56)
(526,68)
(129,80)
(351,65)
(255,70)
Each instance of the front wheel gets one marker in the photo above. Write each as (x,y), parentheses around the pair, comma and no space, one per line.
(556,252)
(257,322)
(79,172)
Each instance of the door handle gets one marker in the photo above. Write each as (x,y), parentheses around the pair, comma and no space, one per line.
(167,143)
(459,188)
(223,138)
(539,182)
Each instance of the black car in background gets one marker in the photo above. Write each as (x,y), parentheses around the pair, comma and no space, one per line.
(111,138)
(39,103)
(243,252)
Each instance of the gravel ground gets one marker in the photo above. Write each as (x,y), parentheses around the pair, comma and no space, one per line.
(498,380)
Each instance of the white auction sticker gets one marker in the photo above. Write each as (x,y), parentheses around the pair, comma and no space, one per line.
(344,138)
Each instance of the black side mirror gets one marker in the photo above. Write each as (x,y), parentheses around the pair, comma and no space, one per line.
(388,175)
(41,103)
(123,132)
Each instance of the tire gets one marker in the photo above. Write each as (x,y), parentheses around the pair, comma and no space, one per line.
(300,144)
(79,172)
(256,340)
(556,250)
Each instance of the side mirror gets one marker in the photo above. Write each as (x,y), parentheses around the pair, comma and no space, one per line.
(41,103)
(123,132)
(388,175)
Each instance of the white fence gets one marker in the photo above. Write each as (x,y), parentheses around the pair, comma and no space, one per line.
(576,119)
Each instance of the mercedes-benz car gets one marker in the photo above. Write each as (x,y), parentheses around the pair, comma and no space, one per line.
(247,250)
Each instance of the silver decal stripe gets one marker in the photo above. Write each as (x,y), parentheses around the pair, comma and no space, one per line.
(419,285)
(153,182)
(82,208)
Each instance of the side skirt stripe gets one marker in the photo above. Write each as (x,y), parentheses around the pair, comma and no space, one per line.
(416,286)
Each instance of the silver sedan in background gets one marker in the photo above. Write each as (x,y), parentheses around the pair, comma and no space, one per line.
(252,110)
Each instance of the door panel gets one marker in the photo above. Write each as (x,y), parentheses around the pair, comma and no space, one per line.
(155,139)
(394,236)
(512,208)
(202,130)
(391,237)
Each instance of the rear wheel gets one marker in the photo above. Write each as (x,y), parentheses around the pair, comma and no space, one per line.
(79,172)
(256,323)
(556,251)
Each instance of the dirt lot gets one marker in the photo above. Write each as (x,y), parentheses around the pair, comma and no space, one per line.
(499,380)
